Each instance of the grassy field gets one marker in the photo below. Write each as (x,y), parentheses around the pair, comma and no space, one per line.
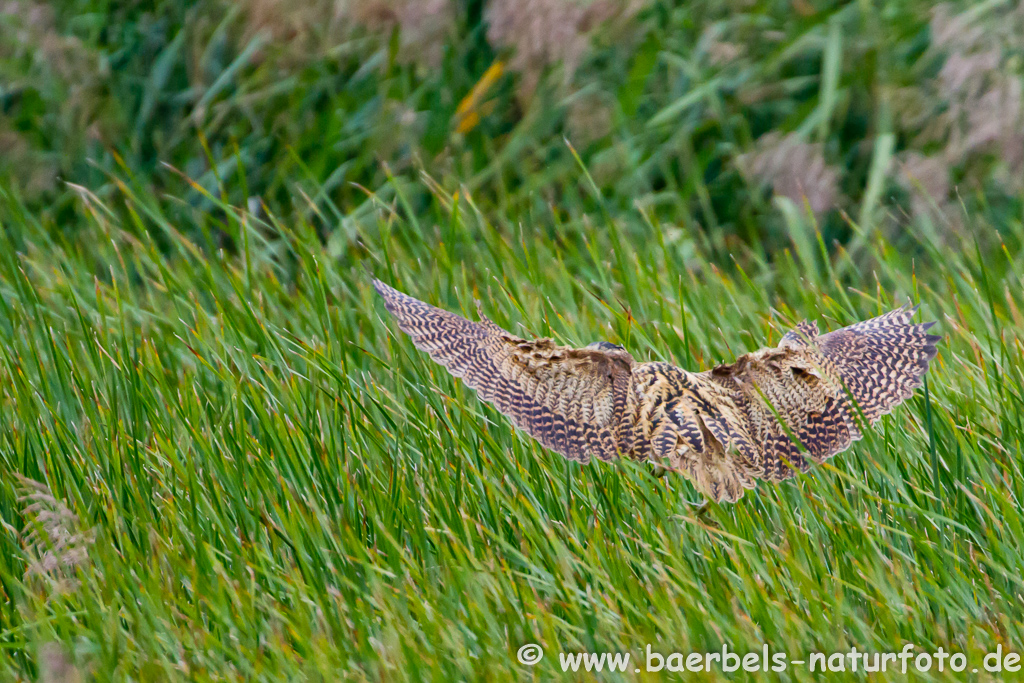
(219,460)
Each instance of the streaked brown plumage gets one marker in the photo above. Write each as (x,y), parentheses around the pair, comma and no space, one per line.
(770,414)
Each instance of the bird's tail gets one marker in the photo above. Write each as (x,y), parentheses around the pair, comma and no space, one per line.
(881,361)
(721,476)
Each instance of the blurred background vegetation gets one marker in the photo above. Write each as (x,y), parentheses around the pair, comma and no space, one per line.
(218,462)
(725,116)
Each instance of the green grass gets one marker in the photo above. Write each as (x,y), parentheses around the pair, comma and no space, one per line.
(280,486)
(219,460)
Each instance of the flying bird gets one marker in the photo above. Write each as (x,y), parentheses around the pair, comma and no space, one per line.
(769,415)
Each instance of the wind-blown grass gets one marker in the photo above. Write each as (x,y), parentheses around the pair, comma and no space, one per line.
(277,485)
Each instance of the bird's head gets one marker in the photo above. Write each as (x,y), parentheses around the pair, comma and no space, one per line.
(605,346)
(607,351)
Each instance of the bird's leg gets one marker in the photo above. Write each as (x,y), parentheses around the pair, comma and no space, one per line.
(659,471)
(702,510)
(701,506)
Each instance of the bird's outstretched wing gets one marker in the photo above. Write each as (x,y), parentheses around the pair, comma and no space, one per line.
(806,400)
(571,400)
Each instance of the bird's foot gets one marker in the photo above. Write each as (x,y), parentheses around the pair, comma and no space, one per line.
(703,513)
